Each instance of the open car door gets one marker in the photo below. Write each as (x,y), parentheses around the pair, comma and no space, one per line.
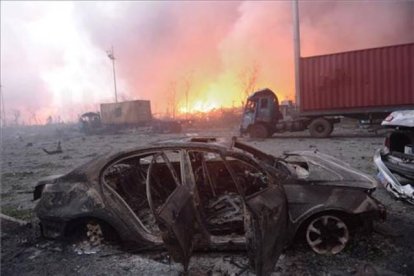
(265,214)
(266,220)
(175,216)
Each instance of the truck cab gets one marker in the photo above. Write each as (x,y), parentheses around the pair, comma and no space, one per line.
(262,117)
(260,113)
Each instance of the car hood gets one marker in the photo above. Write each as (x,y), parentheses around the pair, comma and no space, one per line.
(323,169)
(403,118)
(313,166)
(49,179)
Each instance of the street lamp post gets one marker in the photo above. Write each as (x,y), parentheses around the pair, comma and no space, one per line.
(296,45)
(111,56)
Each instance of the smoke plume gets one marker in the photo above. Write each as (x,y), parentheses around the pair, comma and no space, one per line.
(54,62)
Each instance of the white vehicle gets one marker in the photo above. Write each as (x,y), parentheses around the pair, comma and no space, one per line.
(395,161)
(400,119)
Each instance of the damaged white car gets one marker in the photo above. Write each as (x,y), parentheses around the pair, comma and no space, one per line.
(395,161)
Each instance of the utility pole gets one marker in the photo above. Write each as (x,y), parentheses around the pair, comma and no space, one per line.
(296,45)
(111,56)
(3,111)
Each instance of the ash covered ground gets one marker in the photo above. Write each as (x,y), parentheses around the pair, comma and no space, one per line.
(388,250)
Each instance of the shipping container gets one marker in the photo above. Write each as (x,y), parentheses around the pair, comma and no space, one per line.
(126,113)
(375,80)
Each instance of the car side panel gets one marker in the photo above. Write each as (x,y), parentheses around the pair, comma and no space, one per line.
(308,199)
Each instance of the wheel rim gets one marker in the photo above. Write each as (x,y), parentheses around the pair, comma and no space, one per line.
(94,233)
(327,235)
(320,128)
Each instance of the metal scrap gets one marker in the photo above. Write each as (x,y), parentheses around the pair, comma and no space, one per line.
(57,151)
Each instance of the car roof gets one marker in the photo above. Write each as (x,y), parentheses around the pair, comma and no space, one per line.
(91,169)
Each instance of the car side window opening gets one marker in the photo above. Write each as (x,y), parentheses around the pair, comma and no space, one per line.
(163,177)
(220,198)
(220,203)
(251,179)
(250,106)
(128,178)
(214,177)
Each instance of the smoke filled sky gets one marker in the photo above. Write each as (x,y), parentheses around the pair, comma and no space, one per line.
(54,54)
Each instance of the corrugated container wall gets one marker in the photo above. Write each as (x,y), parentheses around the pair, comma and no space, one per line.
(370,78)
(131,112)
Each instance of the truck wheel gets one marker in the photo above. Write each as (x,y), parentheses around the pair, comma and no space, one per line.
(320,128)
(258,131)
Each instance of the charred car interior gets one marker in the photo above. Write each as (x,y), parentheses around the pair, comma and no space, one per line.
(207,193)
(148,183)
(148,180)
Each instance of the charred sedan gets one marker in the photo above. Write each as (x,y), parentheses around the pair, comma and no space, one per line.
(181,196)
(208,194)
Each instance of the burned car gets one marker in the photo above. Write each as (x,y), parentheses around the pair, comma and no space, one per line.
(395,161)
(204,193)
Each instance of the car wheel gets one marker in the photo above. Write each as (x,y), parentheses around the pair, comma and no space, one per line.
(327,234)
(258,131)
(320,128)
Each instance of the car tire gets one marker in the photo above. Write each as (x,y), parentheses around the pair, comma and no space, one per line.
(258,131)
(320,128)
(327,234)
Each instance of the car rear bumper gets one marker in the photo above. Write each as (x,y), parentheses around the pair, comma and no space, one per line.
(390,181)
(397,164)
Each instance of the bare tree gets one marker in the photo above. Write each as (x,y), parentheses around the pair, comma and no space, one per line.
(33,117)
(172,94)
(248,79)
(188,79)
(172,105)
(16,115)
(49,120)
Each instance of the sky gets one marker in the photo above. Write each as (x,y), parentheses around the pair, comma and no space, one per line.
(54,54)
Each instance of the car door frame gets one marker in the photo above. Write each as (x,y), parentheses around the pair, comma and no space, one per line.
(266,216)
(176,217)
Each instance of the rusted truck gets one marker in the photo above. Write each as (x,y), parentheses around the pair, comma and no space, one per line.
(121,115)
(364,84)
